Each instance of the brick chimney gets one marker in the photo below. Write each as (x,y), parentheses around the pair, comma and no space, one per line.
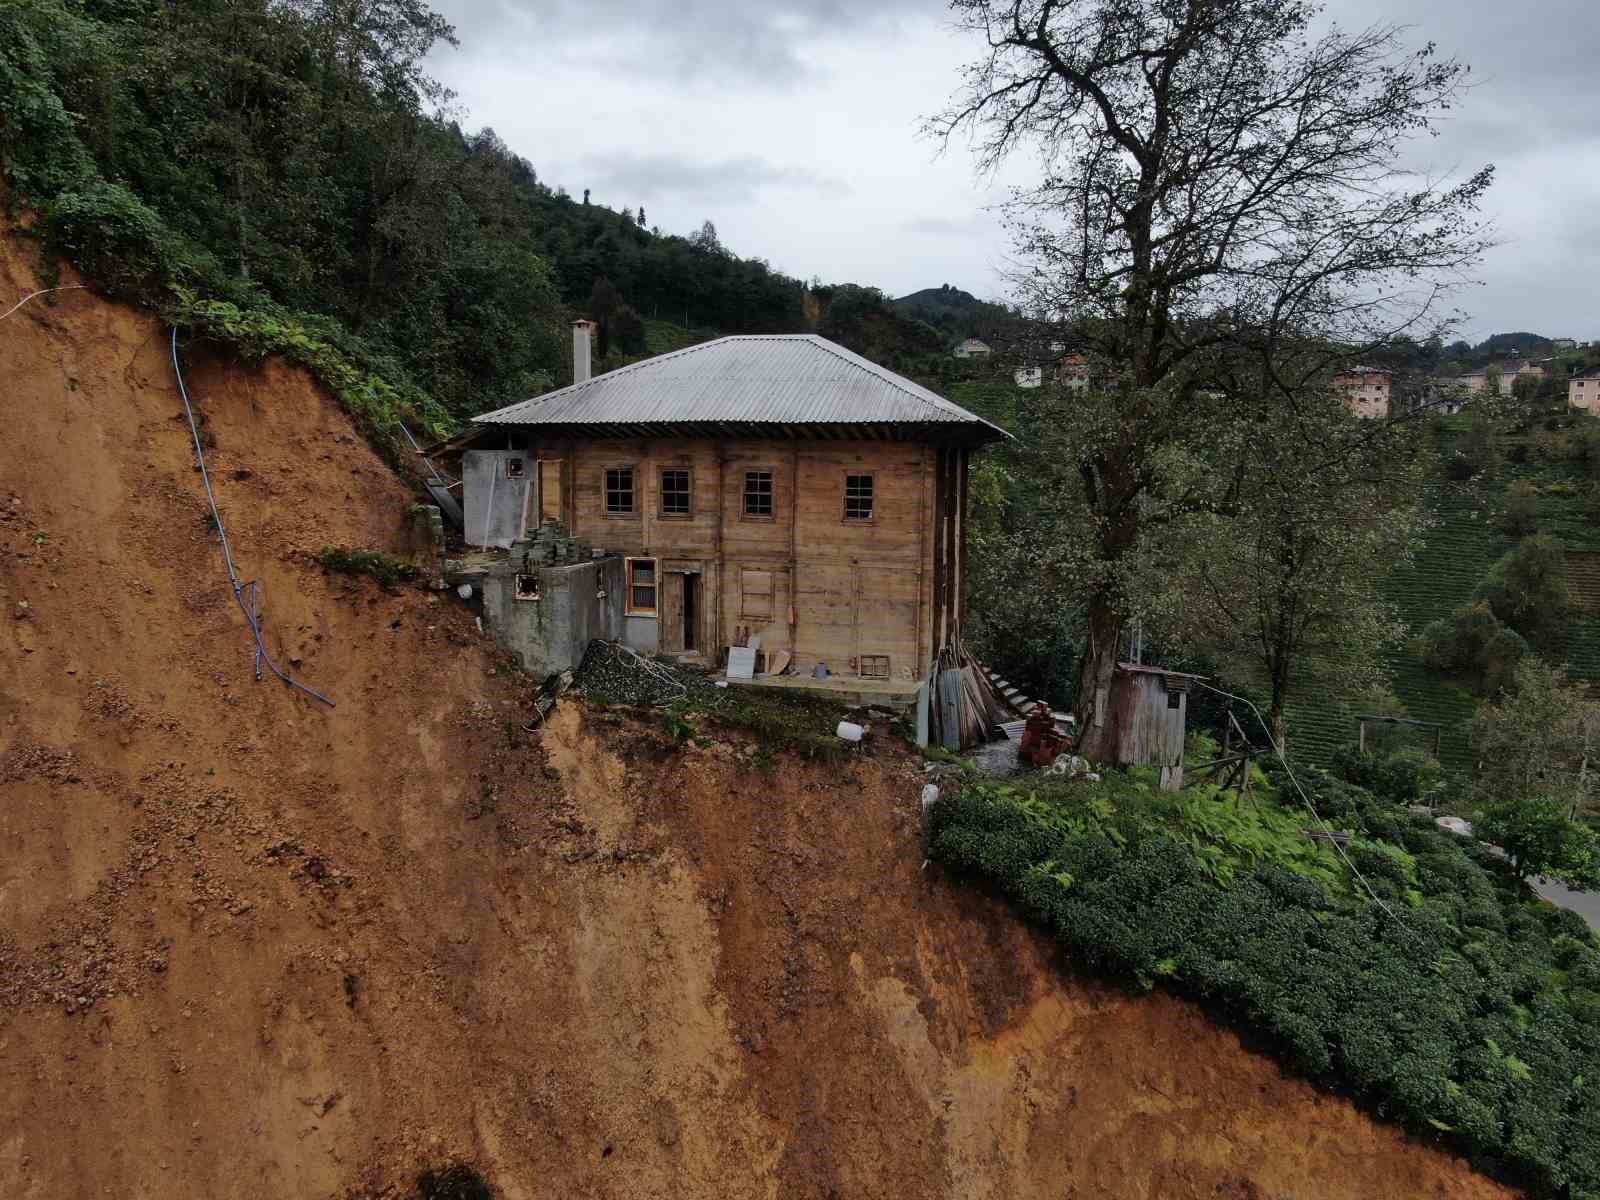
(580,350)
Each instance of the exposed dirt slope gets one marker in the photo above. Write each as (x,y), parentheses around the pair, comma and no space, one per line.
(250,947)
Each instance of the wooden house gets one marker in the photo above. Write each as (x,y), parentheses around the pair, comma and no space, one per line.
(1149,712)
(778,487)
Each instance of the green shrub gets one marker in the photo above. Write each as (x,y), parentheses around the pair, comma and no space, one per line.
(112,236)
(1476,645)
(1519,516)
(1474,1016)
(1405,775)
(386,570)
(1588,449)
(40,149)
(1527,590)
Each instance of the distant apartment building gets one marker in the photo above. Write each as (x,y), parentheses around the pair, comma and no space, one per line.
(1583,390)
(972,348)
(1477,382)
(1367,390)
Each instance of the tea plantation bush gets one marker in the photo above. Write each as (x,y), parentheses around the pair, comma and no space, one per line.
(1471,1014)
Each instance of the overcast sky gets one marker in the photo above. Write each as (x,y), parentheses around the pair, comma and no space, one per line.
(794,127)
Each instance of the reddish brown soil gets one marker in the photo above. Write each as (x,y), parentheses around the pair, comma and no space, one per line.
(251,947)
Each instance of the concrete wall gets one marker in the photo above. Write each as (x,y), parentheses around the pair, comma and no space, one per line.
(641,633)
(550,634)
(495,503)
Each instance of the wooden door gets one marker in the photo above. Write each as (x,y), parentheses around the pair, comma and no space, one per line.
(671,615)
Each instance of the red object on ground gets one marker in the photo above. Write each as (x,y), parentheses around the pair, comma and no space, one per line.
(1041,741)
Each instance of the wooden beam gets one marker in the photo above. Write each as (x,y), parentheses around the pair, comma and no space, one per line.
(963,457)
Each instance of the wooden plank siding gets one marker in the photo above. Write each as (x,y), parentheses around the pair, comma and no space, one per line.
(1150,727)
(889,585)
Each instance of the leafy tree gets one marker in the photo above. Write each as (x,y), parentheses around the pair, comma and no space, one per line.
(293,160)
(1538,739)
(1527,589)
(1221,182)
(604,304)
(1479,448)
(1475,644)
(1520,515)
(627,330)
(1282,587)
(706,239)
(1540,838)
(1020,617)
(641,220)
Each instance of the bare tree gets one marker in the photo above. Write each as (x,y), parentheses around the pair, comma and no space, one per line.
(1222,214)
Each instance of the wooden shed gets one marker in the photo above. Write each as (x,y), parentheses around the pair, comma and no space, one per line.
(1149,711)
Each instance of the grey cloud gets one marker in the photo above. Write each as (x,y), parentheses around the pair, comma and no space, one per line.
(712,103)
(948,226)
(712,43)
(735,180)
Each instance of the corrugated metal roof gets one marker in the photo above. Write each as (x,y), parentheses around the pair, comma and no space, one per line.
(778,379)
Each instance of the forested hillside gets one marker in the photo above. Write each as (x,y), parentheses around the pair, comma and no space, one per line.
(287,176)
(954,313)
(1502,485)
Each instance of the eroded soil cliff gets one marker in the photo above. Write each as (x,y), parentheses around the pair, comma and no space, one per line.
(252,947)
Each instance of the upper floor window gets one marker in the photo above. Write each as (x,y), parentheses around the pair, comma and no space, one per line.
(619,491)
(758,493)
(676,493)
(858,498)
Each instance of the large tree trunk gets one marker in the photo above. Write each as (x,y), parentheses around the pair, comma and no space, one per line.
(1279,728)
(1112,490)
(1096,665)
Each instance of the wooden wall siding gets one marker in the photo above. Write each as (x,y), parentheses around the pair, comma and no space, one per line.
(1148,732)
(856,588)
(670,606)
(948,557)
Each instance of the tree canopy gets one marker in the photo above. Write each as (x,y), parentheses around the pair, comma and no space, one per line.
(1221,216)
(290,162)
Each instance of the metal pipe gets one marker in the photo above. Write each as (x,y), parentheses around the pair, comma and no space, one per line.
(227,552)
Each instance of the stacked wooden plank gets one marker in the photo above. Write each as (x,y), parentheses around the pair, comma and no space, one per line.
(964,707)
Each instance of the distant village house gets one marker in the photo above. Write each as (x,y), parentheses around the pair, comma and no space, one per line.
(1072,371)
(972,348)
(1477,382)
(1583,390)
(1366,390)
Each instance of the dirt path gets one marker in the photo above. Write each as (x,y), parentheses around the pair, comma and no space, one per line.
(250,947)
